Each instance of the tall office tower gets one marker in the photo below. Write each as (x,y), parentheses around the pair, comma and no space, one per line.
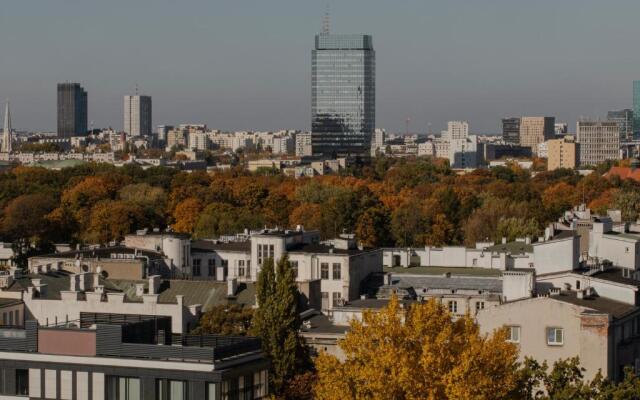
(535,130)
(624,119)
(6,132)
(511,130)
(457,130)
(343,95)
(599,141)
(137,115)
(72,110)
(636,109)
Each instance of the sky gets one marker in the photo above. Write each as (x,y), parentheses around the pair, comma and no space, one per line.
(246,64)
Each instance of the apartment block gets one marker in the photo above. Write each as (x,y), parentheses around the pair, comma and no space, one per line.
(599,141)
(562,153)
(535,130)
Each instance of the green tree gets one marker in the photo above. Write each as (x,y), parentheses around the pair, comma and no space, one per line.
(276,322)
(628,202)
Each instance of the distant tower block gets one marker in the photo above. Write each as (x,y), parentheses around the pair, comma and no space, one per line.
(6,133)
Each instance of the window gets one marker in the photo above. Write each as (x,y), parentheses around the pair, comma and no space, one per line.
(212,391)
(555,336)
(248,262)
(337,271)
(260,255)
(22,382)
(123,388)
(294,268)
(240,267)
(513,334)
(196,266)
(177,390)
(271,253)
(336,298)
(479,305)
(453,306)
(260,384)
(577,285)
(324,271)
(211,267)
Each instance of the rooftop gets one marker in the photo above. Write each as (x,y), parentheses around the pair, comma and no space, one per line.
(615,275)
(626,235)
(511,247)
(435,271)
(209,246)
(103,252)
(600,304)
(324,249)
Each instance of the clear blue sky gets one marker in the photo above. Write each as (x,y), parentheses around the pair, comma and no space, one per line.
(241,64)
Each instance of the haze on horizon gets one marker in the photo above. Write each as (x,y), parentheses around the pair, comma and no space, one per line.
(245,65)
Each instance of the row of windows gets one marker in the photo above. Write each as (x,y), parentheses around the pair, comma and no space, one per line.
(11,318)
(554,335)
(265,251)
(452,305)
(336,269)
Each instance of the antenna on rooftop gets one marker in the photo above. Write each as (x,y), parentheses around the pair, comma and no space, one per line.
(407,125)
(326,21)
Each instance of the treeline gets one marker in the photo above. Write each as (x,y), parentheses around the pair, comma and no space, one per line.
(390,202)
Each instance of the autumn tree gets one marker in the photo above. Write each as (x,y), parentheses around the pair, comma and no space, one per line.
(186,215)
(277,322)
(112,220)
(628,202)
(372,227)
(24,219)
(418,354)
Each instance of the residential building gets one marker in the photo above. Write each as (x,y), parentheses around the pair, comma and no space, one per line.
(562,153)
(7,134)
(511,130)
(561,128)
(463,152)
(624,119)
(457,130)
(198,141)
(303,144)
(137,115)
(162,132)
(72,110)
(535,130)
(599,141)
(343,97)
(377,143)
(543,150)
(177,137)
(109,356)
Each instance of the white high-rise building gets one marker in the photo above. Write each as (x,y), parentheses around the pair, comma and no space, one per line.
(457,130)
(137,115)
(463,152)
(6,133)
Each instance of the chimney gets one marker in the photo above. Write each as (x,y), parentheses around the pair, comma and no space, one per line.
(504,240)
(139,289)
(96,278)
(154,284)
(527,240)
(73,283)
(232,286)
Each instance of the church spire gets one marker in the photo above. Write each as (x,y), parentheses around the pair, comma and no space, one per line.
(6,133)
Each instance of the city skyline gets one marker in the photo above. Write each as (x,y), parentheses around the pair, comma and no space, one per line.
(443,62)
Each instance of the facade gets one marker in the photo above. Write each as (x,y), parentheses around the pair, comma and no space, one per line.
(463,152)
(535,130)
(562,153)
(7,135)
(377,143)
(624,119)
(457,130)
(511,130)
(108,356)
(72,110)
(343,97)
(636,109)
(137,115)
(599,141)
(303,144)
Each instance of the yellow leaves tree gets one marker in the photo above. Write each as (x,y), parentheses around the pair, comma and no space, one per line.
(186,215)
(419,353)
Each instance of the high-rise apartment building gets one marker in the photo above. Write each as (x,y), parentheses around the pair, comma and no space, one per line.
(457,130)
(511,130)
(599,141)
(624,119)
(7,135)
(562,153)
(72,110)
(535,130)
(343,97)
(137,115)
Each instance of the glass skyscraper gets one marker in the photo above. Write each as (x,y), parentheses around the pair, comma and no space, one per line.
(343,95)
(72,110)
(624,119)
(636,109)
